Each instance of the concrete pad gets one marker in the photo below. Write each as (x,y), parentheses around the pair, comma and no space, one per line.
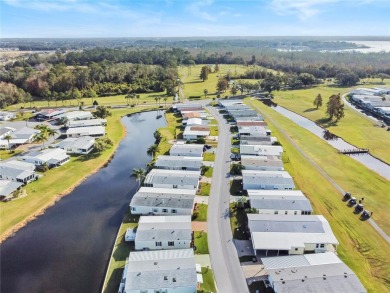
(202,199)
(208,163)
(199,226)
(203,260)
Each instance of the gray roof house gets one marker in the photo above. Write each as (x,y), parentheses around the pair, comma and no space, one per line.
(163,232)
(229,102)
(8,187)
(94,131)
(169,271)
(81,145)
(257,140)
(320,272)
(253,179)
(161,178)
(87,123)
(262,163)
(187,150)
(162,201)
(178,163)
(52,157)
(18,175)
(261,150)
(286,234)
(284,202)
(18,165)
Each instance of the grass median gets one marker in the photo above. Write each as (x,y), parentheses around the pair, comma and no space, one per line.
(361,247)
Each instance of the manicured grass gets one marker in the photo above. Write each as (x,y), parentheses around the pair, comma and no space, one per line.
(214,131)
(355,128)
(200,240)
(58,181)
(213,121)
(209,172)
(235,150)
(148,98)
(6,154)
(200,213)
(121,251)
(208,280)
(169,133)
(235,141)
(204,189)
(361,247)
(209,157)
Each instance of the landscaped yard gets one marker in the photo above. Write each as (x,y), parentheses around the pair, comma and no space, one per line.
(204,189)
(208,280)
(209,172)
(355,128)
(200,239)
(361,247)
(200,213)
(120,253)
(169,133)
(214,131)
(6,154)
(209,157)
(238,223)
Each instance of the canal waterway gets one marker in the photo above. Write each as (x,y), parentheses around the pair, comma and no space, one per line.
(67,249)
(366,159)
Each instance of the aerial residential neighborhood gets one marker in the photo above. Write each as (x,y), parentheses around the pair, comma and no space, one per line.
(198,146)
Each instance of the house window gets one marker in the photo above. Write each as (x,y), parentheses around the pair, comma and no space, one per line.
(155,210)
(165,210)
(322,245)
(295,212)
(276,212)
(296,249)
(317,246)
(171,243)
(158,243)
(174,211)
(174,186)
(285,212)
(133,208)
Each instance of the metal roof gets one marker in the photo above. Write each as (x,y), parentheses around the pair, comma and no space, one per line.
(8,186)
(258,161)
(266,177)
(83,142)
(92,130)
(185,149)
(260,150)
(86,123)
(276,193)
(174,177)
(161,269)
(281,203)
(178,162)
(14,172)
(162,228)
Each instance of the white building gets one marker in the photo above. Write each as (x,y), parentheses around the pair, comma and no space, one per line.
(8,187)
(51,157)
(18,165)
(87,123)
(162,201)
(79,146)
(238,114)
(187,150)
(285,234)
(262,163)
(187,106)
(178,163)
(168,271)
(261,150)
(163,232)
(76,115)
(195,132)
(17,175)
(320,272)
(193,122)
(6,116)
(252,179)
(229,102)
(94,131)
(180,179)
(279,202)
(257,140)
(48,114)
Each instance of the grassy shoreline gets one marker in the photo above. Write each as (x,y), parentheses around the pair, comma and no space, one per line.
(58,183)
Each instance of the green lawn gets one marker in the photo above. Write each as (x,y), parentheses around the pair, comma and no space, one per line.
(6,154)
(213,121)
(204,189)
(214,131)
(208,280)
(209,157)
(121,251)
(361,247)
(200,213)
(169,133)
(209,172)
(59,181)
(201,244)
(235,150)
(355,128)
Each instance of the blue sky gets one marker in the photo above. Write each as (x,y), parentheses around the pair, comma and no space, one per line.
(170,18)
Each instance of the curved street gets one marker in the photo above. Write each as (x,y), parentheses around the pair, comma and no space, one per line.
(229,276)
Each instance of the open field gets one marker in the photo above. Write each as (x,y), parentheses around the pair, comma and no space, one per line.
(361,247)
(60,181)
(354,128)
(121,251)
(148,98)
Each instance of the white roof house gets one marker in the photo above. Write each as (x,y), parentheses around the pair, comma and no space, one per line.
(187,150)
(193,122)
(178,163)
(52,157)
(184,106)
(257,140)
(253,179)
(194,132)
(8,187)
(261,150)
(163,232)
(162,201)
(18,175)
(284,202)
(262,163)
(320,272)
(180,179)
(237,114)
(81,145)
(76,115)
(287,234)
(87,123)
(170,271)
(229,102)
(94,131)
(18,165)
(47,114)
(5,116)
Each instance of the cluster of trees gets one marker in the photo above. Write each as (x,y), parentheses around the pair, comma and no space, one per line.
(334,106)
(10,94)
(102,144)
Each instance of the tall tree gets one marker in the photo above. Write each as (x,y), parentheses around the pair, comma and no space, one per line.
(139,175)
(335,107)
(102,112)
(152,150)
(318,101)
(222,84)
(204,72)
(205,91)
(8,137)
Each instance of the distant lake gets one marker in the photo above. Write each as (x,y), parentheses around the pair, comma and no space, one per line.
(375,46)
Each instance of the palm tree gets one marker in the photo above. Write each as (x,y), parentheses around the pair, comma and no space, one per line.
(152,150)
(45,132)
(40,137)
(139,175)
(52,132)
(242,201)
(8,137)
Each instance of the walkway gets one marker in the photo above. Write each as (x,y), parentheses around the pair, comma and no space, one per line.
(228,274)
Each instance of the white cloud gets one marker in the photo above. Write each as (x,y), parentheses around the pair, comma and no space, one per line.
(198,9)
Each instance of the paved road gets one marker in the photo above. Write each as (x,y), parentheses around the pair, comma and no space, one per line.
(228,274)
